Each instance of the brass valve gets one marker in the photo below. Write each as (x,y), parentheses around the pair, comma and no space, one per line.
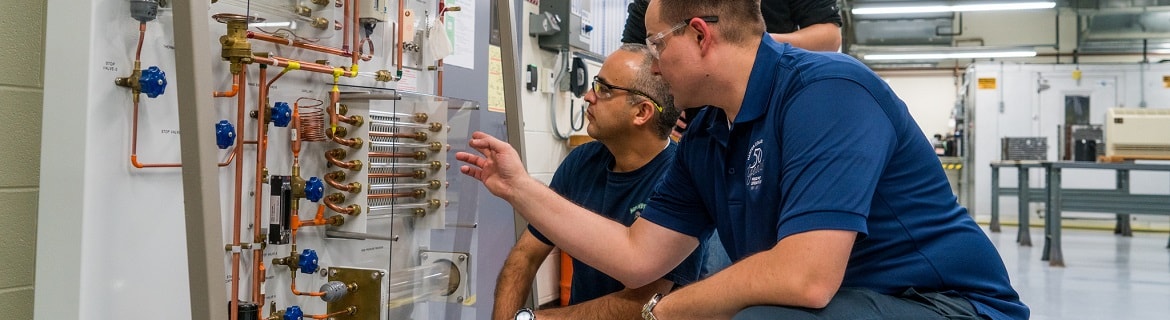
(235,46)
(383,76)
(320,23)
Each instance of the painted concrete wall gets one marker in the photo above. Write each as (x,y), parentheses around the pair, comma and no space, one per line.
(22,34)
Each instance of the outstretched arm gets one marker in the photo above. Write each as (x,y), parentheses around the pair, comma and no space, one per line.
(817,37)
(515,281)
(625,304)
(636,255)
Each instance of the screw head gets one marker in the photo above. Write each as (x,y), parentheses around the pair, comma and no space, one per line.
(462,257)
(459,299)
(333,272)
(424,256)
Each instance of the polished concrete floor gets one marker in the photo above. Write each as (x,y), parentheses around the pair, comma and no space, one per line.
(1105,277)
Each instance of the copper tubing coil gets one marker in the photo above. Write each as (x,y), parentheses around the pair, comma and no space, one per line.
(416,193)
(417,174)
(331,202)
(417,155)
(334,157)
(312,124)
(416,117)
(333,178)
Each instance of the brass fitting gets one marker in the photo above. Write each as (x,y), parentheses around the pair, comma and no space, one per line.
(303,11)
(132,81)
(419,174)
(436,165)
(420,155)
(290,261)
(354,120)
(434,184)
(326,2)
(333,177)
(436,146)
(436,127)
(342,109)
(434,203)
(235,46)
(298,185)
(340,132)
(320,23)
(335,221)
(383,76)
(420,193)
(421,136)
(421,117)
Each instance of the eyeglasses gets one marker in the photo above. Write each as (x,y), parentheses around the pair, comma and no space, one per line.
(605,91)
(654,42)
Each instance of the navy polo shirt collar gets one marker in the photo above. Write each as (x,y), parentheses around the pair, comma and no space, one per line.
(761,81)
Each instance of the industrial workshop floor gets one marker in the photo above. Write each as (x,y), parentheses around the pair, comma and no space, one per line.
(1106,276)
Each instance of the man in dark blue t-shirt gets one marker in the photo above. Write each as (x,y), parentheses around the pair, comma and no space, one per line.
(630,115)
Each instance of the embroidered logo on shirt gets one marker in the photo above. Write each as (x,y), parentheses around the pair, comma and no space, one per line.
(636,210)
(755,164)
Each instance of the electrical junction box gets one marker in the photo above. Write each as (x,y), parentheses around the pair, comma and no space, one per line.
(572,16)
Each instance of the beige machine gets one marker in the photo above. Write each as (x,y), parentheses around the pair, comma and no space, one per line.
(1132,133)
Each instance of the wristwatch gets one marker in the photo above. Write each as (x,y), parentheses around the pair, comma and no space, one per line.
(525,314)
(648,309)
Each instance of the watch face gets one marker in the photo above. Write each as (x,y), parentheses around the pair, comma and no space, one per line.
(525,314)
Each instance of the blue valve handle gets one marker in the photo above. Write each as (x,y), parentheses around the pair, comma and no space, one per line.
(153,81)
(314,189)
(308,261)
(281,114)
(293,313)
(225,134)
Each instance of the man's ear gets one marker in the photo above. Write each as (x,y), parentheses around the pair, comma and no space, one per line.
(644,112)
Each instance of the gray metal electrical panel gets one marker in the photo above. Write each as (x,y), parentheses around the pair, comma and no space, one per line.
(572,16)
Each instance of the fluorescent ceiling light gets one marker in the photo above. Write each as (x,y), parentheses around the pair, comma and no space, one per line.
(951,7)
(939,55)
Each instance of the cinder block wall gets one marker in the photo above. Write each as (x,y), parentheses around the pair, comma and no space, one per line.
(22,48)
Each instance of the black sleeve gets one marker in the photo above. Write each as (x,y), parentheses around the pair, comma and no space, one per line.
(635,31)
(809,12)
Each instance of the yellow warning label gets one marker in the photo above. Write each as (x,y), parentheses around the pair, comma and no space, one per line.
(986,83)
(952,166)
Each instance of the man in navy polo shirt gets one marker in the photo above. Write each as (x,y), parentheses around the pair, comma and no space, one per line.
(824,190)
(630,115)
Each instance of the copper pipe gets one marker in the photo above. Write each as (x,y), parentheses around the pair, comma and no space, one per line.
(401,18)
(334,157)
(237,207)
(141,34)
(420,136)
(334,98)
(261,162)
(354,26)
(333,177)
(348,310)
(439,64)
(300,44)
(345,8)
(354,120)
(417,174)
(416,193)
(230,93)
(417,155)
(293,286)
(307,66)
(332,199)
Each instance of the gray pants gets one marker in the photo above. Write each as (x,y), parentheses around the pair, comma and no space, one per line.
(859,303)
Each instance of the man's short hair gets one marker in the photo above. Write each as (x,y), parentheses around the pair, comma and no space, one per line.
(653,85)
(739,20)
